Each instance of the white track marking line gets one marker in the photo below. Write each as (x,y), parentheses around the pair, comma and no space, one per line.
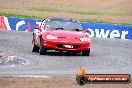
(27,76)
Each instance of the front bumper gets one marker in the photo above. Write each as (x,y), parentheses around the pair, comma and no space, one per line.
(58,45)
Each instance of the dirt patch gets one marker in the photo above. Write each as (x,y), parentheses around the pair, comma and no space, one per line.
(52,82)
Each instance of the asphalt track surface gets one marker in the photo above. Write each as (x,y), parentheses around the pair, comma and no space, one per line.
(107,56)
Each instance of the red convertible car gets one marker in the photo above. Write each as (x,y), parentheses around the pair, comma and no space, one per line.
(62,35)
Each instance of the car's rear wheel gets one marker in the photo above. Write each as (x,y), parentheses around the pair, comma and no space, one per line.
(86,52)
(43,50)
(34,47)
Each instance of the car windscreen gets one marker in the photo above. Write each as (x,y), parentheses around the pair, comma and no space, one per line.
(63,24)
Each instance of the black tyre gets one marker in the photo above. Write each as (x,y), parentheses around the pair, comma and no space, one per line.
(43,50)
(34,47)
(86,52)
(81,80)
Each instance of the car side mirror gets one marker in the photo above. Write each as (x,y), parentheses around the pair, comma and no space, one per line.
(36,27)
(86,30)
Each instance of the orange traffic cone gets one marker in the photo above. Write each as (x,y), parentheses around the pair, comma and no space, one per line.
(2,23)
(28,28)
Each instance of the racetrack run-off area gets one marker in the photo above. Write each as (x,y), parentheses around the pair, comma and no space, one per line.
(107,56)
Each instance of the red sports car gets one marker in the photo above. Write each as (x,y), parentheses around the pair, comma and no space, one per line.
(62,35)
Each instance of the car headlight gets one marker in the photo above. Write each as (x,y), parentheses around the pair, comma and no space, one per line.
(51,37)
(84,39)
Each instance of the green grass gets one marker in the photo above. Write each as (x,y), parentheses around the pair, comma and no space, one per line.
(101,21)
(41,18)
(20,16)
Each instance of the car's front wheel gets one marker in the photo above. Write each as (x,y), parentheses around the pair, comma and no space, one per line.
(42,50)
(34,47)
(86,52)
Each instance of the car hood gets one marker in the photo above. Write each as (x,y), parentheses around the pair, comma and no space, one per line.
(66,33)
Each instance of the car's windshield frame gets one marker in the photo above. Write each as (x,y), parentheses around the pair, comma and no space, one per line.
(63,24)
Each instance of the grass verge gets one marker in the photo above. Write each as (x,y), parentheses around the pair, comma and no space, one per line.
(41,18)
(20,16)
